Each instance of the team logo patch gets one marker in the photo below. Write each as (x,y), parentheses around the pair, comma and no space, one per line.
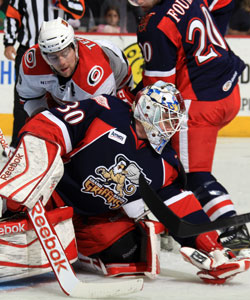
(101,100)
(117,136)
(30,59)
(95,75)
(114,184)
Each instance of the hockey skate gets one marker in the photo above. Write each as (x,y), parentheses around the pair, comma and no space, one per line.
(237,239)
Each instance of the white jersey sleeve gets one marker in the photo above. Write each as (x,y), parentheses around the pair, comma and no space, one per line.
(28,86)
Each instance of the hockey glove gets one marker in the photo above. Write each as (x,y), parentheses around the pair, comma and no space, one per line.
(216,267)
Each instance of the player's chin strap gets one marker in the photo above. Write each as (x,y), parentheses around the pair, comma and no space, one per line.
(29,178)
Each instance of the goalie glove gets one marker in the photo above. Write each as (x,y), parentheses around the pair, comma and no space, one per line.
(216,267)
(217,264)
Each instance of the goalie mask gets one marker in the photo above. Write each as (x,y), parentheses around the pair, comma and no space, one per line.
(160,109)
(56,35)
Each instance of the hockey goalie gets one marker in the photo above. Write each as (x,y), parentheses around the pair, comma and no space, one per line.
(83,161)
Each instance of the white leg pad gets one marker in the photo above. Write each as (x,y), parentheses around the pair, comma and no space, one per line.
(21,254)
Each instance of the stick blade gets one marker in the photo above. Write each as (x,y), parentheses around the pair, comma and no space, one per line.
(92,290)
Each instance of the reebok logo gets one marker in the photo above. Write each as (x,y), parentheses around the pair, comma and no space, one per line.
(48,239)
(9,229)
(3,141)
(11,166)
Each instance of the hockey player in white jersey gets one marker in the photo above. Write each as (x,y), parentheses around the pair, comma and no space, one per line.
(63,68)
(89,155)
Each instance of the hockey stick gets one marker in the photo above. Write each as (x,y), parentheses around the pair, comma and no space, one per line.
(63,270)
(177,226)
(60,265)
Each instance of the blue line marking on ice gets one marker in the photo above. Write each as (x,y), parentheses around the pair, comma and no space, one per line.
(27,282)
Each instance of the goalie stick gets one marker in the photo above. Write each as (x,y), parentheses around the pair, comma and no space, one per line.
(58,260)
(63,270)
(177,226)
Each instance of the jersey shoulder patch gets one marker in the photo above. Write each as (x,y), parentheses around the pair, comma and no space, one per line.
(33,63)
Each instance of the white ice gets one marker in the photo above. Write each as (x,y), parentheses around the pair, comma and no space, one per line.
(178,279)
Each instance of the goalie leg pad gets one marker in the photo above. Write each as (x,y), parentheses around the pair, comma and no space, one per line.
(21,254)
(149,262)
(135,253)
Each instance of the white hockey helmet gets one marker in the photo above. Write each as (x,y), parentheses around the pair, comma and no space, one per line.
(55,35)
(160,109)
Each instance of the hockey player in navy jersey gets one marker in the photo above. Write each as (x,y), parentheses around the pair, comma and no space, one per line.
(63,68)
(182,43)
(104,147)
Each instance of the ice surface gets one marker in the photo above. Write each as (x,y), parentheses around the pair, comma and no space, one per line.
(178,279)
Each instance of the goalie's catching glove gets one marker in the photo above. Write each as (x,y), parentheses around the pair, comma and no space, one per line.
(217,264)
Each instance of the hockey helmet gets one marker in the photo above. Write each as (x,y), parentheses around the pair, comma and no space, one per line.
(54,36)
(160,109)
